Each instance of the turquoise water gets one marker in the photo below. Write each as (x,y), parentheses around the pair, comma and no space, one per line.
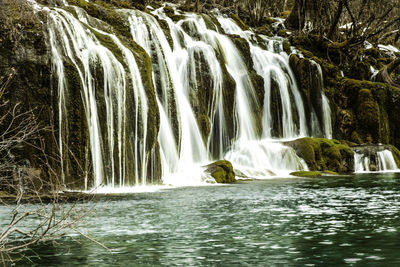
(351,221)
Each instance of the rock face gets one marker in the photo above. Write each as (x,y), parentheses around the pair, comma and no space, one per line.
(362,111)
(221,171)
(322,154)
(24,56)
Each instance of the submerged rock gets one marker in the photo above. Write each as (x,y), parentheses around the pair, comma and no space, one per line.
(221,171)
(314,174)
(307,174)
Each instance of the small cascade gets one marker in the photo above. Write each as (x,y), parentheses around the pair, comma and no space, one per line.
(386,161)
(374,158)
(272,64)
(326,117)
(361,163)
(323,122)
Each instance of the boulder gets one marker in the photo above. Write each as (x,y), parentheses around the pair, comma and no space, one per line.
(221,171)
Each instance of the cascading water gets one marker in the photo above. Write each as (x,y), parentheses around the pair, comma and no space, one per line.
(207,101)
(374,158)
(273,66)
(386,161)
(361,163)
(326,109)
(108,131)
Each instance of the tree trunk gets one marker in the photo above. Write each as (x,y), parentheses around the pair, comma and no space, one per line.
(311,16)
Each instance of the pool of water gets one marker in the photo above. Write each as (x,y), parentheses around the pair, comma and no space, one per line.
(352,221)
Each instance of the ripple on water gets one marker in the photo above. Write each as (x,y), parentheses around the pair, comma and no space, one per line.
(308,222)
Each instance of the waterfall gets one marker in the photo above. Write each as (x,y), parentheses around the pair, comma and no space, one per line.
(326,116)
(374,158)
(361,163)
(78,42)
(272,65)
(208,102)
(386,161)
(326,110)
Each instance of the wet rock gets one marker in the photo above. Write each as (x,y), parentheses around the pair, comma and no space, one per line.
(221,171)
(322,154)
(309,174)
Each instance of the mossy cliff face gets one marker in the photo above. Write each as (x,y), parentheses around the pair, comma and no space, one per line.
(322,154)
(24,52)
(75,132)
(367,112)
(362,111)
(36,89)
(116,23)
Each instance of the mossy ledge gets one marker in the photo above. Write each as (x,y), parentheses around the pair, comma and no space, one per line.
(309,174)
(323,154)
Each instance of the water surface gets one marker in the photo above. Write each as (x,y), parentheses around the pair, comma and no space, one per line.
(350,221)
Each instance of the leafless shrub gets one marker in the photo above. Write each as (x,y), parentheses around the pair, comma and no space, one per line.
(39,210)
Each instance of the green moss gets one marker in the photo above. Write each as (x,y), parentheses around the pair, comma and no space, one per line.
(307,76)
(167,32)
(359,70)
(356,138)
(176,18)
(309,174)
(221,171)
(286,46)
(240,22)
(243,46)
(368,115)
(322,154)
(77,132)
(145,66)
(168,10)
(105,13)
(212,23)
(265,30)
(330,173)
(106,41)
